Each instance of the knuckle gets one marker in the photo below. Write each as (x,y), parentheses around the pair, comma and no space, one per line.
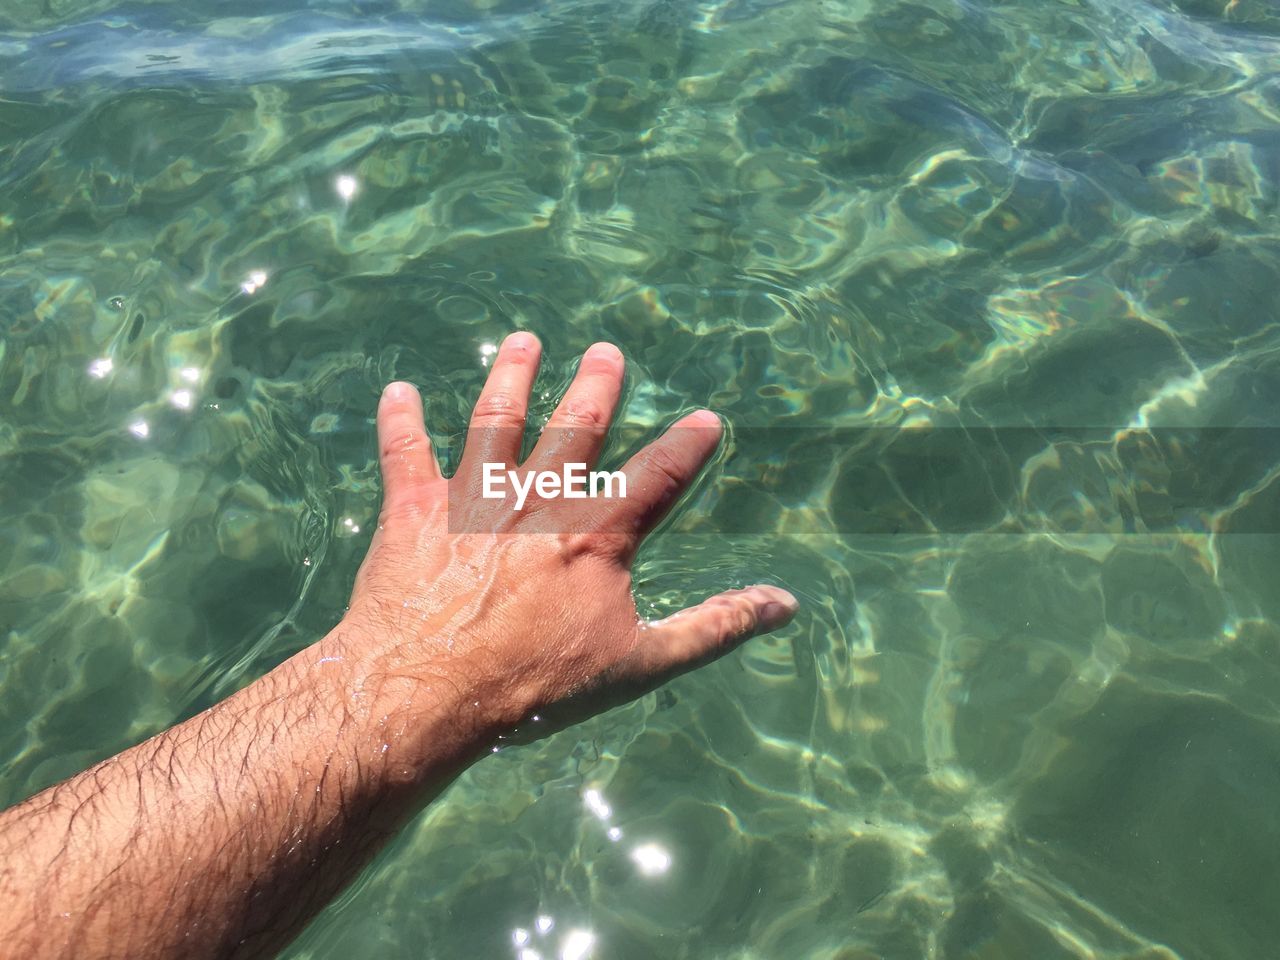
(396,511)
(576,546)
(737,619)
(589,545)
(400,442)
(605,545)
(498,410)
(583,412)
(664,470)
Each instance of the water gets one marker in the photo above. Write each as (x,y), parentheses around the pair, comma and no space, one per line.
(987,293)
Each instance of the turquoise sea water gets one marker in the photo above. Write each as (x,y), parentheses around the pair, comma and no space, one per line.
(986,291)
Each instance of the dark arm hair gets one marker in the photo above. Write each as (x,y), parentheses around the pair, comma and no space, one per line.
(223,836)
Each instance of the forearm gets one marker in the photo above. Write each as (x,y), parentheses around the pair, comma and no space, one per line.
(223,835)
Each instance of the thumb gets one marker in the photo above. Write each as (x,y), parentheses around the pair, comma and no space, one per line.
(676,644)
(701,633)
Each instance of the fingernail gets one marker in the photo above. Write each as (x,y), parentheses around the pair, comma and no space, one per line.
(703,418)
(779,610)
(398,390)
(774,614)
(520,340)
(603,349)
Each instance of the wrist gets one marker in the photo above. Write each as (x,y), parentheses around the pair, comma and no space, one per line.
(412,706)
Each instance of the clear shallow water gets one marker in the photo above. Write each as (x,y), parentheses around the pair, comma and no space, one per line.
(1036,712)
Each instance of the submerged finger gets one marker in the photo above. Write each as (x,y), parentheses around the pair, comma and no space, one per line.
(658,475)
(699,634)
(577,429)
(407,460)
(497,422)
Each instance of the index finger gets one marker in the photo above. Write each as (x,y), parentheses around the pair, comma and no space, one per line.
(659,474)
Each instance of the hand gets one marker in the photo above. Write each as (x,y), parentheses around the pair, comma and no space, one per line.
(529,612)
(223,835)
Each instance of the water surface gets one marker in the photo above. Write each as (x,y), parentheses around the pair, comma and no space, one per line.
(986,291)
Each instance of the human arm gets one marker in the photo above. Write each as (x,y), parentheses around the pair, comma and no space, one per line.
(222,836)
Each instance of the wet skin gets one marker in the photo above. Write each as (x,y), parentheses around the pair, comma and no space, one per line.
(222,836)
